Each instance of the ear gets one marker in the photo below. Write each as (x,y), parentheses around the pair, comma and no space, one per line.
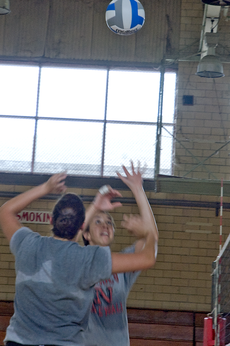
(51,220)
(86,235)
(82,226)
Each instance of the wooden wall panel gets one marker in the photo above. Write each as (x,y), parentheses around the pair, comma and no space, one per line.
(4,322)
(2,336)
(76,30)
(141,342)
(156,331)
(69,31)
(24,29)
(146,327)
(160,316)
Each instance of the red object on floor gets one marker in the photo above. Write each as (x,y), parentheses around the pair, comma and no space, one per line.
(221,326)
(209,332)
(208,336)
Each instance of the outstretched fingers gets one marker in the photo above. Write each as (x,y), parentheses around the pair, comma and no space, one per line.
(134,179)
(126,171)
(132,166)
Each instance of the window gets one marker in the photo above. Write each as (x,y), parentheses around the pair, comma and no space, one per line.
(86,121)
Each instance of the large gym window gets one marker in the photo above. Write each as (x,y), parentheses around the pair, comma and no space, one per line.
(86,121)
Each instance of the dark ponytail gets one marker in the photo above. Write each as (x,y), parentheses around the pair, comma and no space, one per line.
(68,216)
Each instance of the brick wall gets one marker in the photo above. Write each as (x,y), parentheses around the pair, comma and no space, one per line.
(202,129)
(188,244)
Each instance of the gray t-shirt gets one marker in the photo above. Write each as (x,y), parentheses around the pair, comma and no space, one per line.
(108,323)
(54,288)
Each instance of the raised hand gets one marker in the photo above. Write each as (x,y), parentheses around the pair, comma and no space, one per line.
(133,180)
(135,225)
(103,198)
(145,224)
(8,212)
(56,183)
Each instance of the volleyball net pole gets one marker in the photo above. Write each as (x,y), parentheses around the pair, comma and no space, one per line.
(221,212)
(215,323)
(218,320)
(218,281)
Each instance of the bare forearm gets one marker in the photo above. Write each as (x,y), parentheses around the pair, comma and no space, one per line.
(8,212)
(90,212)
(141,260)
(148,225)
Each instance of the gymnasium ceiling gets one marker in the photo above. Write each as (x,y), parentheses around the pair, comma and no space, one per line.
(75,30)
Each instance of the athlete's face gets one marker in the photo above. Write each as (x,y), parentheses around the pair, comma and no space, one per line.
(101,230)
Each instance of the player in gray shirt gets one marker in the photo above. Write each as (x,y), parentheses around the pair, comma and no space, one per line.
(54,275)
(108,322)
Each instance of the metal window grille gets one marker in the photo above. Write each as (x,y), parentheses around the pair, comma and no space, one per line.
(86,121)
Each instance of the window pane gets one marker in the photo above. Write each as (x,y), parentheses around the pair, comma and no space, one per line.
(133,96)
(80,93)
(166,150)
(69,145)
(129,142)
(72,93)
(16,142)
(169,97)
(18,90)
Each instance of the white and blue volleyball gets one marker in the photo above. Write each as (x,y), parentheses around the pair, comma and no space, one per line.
(125,17)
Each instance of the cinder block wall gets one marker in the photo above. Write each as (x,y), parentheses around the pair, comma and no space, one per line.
(202,129)
(188,244)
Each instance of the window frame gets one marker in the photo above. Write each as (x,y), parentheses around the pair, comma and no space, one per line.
(105,121)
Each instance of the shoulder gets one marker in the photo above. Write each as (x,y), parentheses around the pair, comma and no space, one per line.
(89,255)
(97,263)
(19,236)
(98,253)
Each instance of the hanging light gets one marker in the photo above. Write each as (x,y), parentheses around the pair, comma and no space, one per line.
(217,2)
(210,67)
(4,6)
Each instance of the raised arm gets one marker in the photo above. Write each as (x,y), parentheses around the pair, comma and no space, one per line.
(134,182)
(142,259)
(143,227)
(8,212)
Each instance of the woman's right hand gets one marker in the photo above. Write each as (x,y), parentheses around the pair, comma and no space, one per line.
(103,202)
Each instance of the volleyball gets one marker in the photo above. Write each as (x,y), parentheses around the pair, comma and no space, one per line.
(125,17)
